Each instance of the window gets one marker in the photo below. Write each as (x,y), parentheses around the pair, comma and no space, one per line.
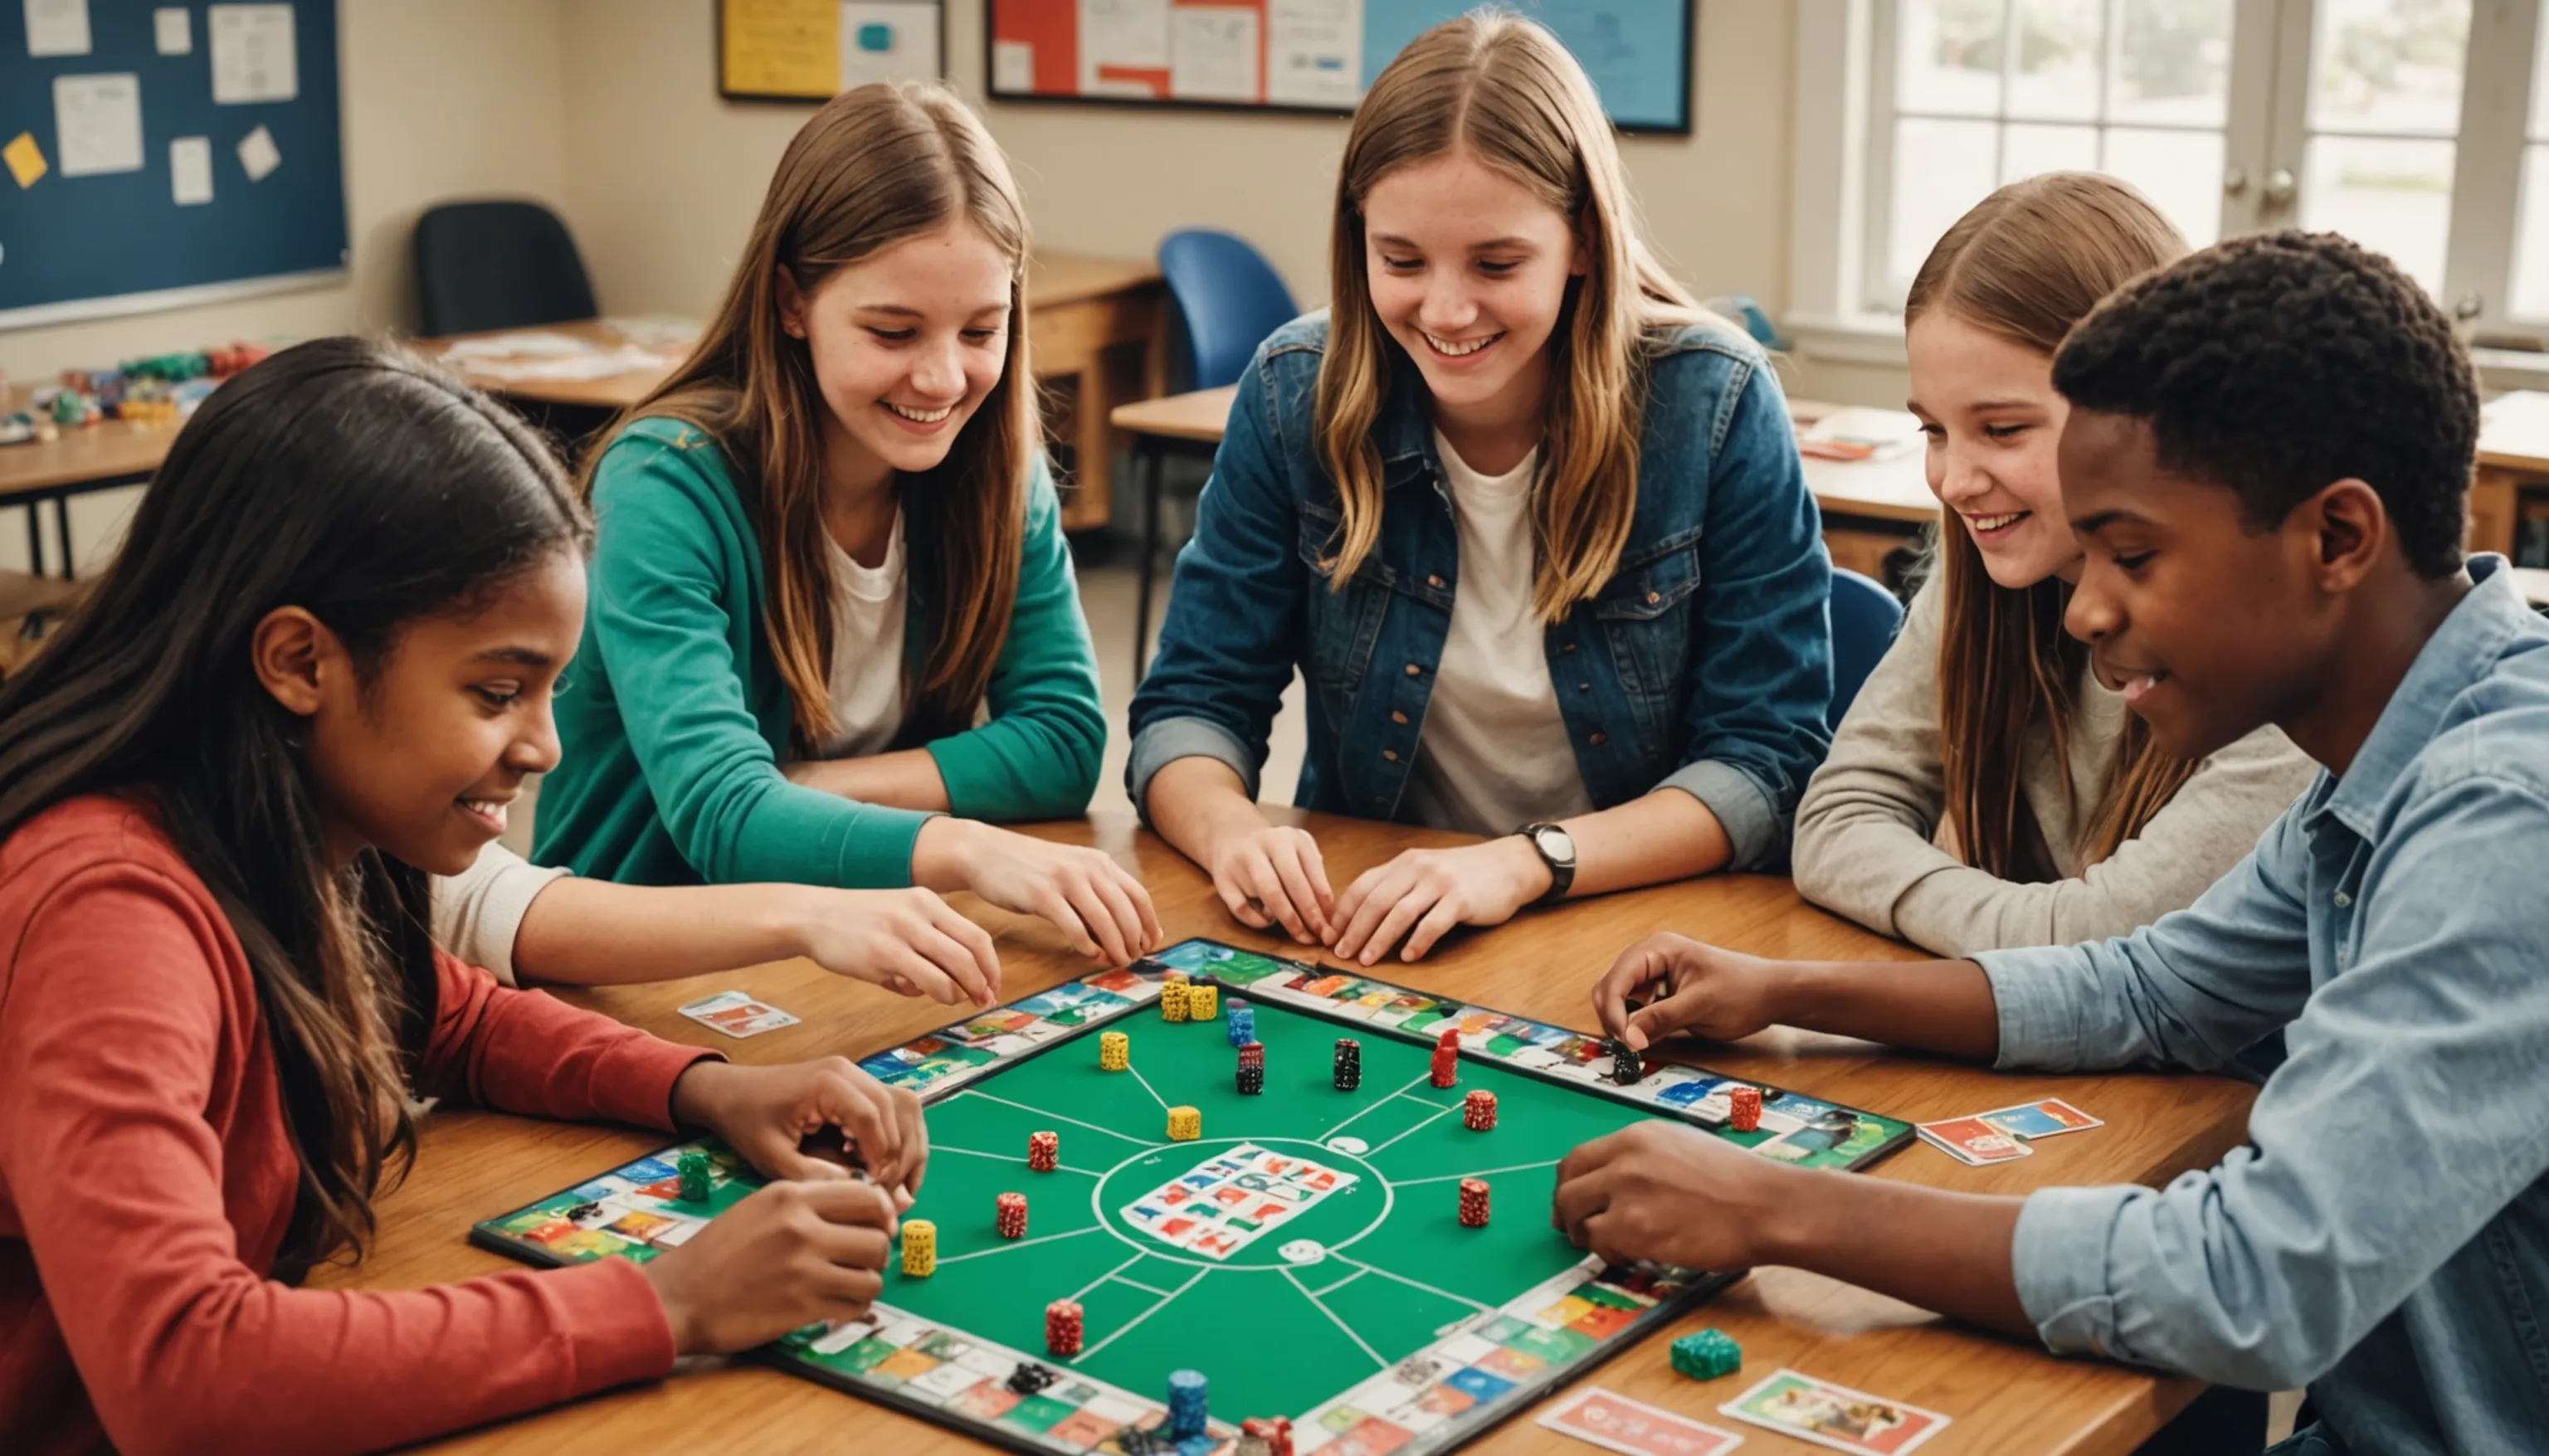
(2419,127)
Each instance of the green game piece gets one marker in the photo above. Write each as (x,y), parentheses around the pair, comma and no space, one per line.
(1708,1354)
(693,1167)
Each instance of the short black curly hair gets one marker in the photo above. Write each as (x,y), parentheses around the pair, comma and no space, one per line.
(2278,363)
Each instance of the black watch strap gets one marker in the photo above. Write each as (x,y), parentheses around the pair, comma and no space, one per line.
(1562,868)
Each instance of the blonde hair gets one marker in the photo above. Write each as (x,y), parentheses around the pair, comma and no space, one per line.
(1502,88)
(2028,263)
(875,166)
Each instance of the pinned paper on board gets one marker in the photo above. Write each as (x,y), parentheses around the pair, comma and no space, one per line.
(1123,47)
(97,123)
(56,28)
(190,170)
(1313,52)
(887,41)
(26,159)
(172,30)
(258,155)
(254,58)
(1013,65)
(1212,53)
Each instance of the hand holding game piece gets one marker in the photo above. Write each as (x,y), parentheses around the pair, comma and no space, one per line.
(767,1113)
(1686,988)
(1670,1193)
(1420,894)
(1268,876)
(785,1257)
(1098,905)
(908,941)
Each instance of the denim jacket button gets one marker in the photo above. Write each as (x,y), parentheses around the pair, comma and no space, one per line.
(1569,647)
(1390,753)
(2343,899)
(1599,739)
(1396,716)
(1653,596)
(1433,581)
(1413,671)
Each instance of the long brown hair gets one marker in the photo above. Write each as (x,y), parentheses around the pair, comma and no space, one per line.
(2026,263)
(354,480)
(1503,88)
(875,166)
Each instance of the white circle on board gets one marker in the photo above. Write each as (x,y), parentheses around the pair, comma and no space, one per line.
(1350,1146)
(1304,1251)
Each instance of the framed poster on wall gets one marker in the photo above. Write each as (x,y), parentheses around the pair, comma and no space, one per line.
(1313,55)
(816,49)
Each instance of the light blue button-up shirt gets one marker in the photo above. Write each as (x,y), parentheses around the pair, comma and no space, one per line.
(2385,1235)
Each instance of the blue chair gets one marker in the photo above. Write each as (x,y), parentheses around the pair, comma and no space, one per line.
(1229,297)
(1865,618)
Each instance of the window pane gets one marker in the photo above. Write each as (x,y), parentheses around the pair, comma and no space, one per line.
(2061,50)
(2179,172)
(1948,56)
(2394,197)
(2532,238)
(1940,168)
(2029,150)
(2389,66)
(2172,62)
(2539,130)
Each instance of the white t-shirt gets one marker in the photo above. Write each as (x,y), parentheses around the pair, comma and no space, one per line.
(867,649)
(1493,754)
(477,912)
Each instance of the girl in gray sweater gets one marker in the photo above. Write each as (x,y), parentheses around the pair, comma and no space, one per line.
(1987,790)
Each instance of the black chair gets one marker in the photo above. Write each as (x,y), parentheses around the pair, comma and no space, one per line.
(482,265)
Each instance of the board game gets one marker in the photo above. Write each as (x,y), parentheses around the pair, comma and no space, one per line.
(1309,1250)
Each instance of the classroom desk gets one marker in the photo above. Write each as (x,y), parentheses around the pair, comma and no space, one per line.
(610,392)
(2002,1395)
(96,457)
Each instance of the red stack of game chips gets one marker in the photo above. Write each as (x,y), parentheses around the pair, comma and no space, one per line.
(1744,1105)
(1013,1221)
(1044,1151)
(1478,1111)
(1446,1057)
(1062,1327)
(1473,1202)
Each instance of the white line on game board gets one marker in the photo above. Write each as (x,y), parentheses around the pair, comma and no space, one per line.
(1480,1174)
(1059,1118)
(1401,1278)
(1340,1323)
(1375,1106)
(1146,1086)
(1007,1246)
(1440,1111)
(1003,1157)
(1342,1283)
(1109,1274)
(1147,1288)
(1123,1330)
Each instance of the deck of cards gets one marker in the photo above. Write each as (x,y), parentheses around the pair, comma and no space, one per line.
(1998,1136)
(1834,1415)
(1618,1424)
(738,1014)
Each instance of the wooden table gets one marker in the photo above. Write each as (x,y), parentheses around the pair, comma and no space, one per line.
(2003,1396)
(94,457)
(615,391)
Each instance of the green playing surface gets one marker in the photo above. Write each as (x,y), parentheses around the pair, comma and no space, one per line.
(1272,1337)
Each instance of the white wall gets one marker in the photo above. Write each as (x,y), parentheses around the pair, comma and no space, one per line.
(441,99)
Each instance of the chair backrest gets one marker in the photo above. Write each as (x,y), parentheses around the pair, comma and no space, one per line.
(1230,297)
(497,265)
(1865,618)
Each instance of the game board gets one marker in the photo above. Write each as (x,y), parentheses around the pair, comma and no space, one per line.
(1303,1252)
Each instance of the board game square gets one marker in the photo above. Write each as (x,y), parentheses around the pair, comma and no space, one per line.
(1446,1399)
(1342,1418)
(1601,1323)
(906,1365)
(1609,1297)
(939,1344)
(1372,1437)
(1554,1346)
(1566,1310)
(1083,1429)
(1475,1385)
(1500,1329)
(862,1357)
(949,1380)
(989,1400)
(1037,1412)
(1512,1364)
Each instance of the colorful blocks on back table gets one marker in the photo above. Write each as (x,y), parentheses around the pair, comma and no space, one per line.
(1708,1354)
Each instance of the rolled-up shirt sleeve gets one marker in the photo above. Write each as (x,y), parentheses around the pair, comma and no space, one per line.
(478,912)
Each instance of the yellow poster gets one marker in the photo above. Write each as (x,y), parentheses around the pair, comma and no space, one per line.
(25,158)
(780,48)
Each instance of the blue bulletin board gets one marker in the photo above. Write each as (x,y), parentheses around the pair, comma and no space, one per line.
(1316,55)
(229,180)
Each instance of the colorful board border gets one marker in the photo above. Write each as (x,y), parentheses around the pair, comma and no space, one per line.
(1105,1418)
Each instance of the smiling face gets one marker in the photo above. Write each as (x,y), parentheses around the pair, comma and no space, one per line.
(1994,423)
(906,343)
(2205,622)
(423,760)
(1469,271)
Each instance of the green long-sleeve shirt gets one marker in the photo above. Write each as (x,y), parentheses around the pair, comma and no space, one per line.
(674,719)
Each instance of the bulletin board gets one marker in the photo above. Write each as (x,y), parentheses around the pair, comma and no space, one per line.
(1316,55)
(816,49)
(155,155)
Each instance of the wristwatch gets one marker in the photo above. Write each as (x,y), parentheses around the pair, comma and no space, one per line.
(1557,850)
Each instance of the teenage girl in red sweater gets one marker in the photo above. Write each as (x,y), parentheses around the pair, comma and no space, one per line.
(330,643)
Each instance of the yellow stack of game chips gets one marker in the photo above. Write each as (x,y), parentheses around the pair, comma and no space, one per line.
(1114,1051)
(919,1248)
(1174,1001)
(1186,1125)
(1203,1003)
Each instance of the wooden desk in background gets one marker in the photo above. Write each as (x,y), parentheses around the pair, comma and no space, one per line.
(2513,484)
(2003,1394)
(95,457)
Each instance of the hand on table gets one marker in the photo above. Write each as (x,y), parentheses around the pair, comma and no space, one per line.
(1100,908)
(1270,876)
(1421,894)
(907,940)
(788,1255)
(766,1113)
(1665,1191)
(1687,987)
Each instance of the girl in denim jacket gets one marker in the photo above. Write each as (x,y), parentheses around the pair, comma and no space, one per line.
(1530,522)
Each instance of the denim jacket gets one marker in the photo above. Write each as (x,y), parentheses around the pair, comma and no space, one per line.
(1704,664)
(2385,1235)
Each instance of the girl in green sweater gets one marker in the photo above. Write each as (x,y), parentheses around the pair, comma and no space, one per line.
(833,628)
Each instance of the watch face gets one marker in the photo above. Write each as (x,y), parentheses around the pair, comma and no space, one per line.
(1556,843)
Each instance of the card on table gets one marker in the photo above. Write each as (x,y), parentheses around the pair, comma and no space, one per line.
(738,1014)
(2044,1119)
(1973,1140)
(1618,1424)
(1834,1415)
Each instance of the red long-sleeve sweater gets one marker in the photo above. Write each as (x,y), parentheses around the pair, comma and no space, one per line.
(146,1182)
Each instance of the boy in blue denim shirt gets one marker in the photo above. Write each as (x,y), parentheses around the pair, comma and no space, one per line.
(2267,460)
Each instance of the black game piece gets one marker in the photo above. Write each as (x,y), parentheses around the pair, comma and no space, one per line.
(582,1211)
(1626,1069)
(1030,1376)
(1136,1441)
